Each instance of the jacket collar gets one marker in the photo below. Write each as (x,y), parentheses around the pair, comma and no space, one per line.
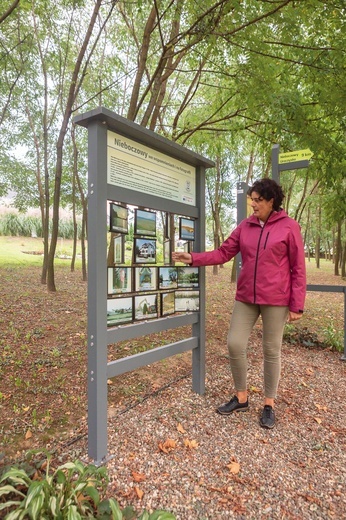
(273,217)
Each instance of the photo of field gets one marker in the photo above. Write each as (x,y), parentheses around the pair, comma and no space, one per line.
(145,223)
(119,310)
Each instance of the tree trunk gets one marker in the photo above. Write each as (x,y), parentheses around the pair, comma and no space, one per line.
(338,246)
(9,11)
(73,91)
(343,263)
(74,175)
(142,59)
(318,237)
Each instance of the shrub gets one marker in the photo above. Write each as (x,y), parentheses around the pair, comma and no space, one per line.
(10,225)
(18,225)
(72,492)
(334,337)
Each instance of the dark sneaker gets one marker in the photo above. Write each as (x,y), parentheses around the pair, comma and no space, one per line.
(233,406)
(267,419)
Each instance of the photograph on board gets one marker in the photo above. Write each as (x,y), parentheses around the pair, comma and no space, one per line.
(118,218)
(145,278)
(145,223)
(146,307)
(144,250)
(119,311)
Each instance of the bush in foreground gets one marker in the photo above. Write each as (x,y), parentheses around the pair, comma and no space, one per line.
(73,492)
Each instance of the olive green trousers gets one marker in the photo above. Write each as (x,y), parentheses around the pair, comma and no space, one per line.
(243,320)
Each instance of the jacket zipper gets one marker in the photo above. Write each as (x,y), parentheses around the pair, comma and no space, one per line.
(266,240)
(256,262)
(257,254)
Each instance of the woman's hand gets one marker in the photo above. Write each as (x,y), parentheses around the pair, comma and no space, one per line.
(186,258)
(294,316)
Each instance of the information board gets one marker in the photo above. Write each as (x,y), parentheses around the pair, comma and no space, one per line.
(137,167)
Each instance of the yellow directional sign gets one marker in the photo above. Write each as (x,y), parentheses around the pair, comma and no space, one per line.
(298,155)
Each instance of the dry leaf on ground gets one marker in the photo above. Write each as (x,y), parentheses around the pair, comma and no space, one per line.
(234,467)
(190,444)
(138,477)
(167,446)
(139,492)
(180,428)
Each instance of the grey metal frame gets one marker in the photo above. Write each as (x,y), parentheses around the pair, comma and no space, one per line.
(98,122)
(242,189)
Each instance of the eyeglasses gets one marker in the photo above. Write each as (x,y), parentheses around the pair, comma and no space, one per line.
(256,199)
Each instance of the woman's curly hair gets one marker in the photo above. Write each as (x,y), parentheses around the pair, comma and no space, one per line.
(268,189)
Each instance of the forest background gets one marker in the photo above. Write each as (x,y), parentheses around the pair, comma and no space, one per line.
(227,79)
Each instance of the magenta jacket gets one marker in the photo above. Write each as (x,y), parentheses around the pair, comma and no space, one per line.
(273,261)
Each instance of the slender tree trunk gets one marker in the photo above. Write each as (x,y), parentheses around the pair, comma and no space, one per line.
(338,246)
(318,237)
(84,223)
(9,11)
(142,59)
(307,235)
(73,91)
(343,264)
(75,226)
(249,173)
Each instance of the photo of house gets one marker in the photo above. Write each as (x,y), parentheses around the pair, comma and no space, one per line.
(144,251)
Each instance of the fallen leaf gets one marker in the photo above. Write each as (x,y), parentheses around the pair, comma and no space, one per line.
(254,389)
(36,476)
(303,383)
(320,407)
(318,420)
(234,467)
(180,428)
(138,477)
(28,435)
(168,445)
(190,444)
(139,492)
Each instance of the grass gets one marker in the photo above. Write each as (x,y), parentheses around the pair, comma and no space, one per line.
(19,251)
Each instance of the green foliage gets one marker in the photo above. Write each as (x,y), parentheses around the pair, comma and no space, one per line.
(227,79)
(334,337)
(14,225)
(72,491)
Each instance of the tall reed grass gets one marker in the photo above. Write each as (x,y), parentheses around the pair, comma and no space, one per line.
(18,225)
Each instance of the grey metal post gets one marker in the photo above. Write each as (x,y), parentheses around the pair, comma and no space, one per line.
(97,288)
(242,189)
(198,329)
(275,163)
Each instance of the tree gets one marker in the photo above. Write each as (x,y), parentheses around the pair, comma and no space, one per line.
(255,73)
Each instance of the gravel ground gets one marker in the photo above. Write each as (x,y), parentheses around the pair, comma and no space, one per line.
(172,451)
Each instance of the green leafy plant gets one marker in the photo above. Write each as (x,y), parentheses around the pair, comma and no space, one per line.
(334,338)
(72,491)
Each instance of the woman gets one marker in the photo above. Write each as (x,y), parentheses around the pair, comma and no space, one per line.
(272,283)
